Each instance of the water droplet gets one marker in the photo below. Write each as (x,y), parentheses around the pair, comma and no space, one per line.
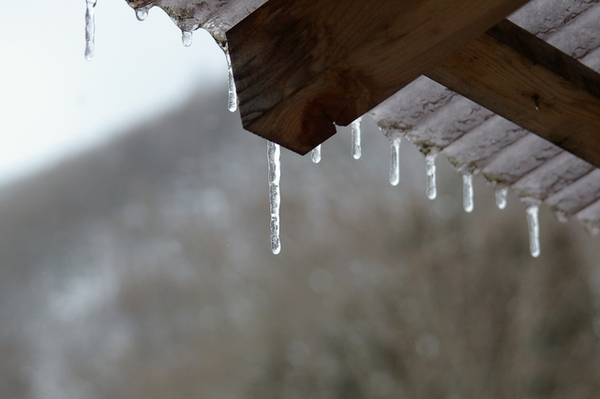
(232,102)
(315,154)
(534,230)
(356,145)
(468,192)
(142,13)
(501,193)
(187,38)
(395,161)
(90,29)
(274,174)
(431,184)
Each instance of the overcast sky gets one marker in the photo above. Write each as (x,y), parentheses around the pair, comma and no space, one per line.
(54,102)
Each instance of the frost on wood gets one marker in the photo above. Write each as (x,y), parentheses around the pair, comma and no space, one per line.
(216,16)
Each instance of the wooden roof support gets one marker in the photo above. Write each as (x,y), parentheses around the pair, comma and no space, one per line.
(531,83)
(302,65)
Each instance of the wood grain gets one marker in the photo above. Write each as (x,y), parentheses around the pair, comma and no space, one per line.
(529,82)
(303,65)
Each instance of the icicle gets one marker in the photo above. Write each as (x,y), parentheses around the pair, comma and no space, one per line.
(395,161)
(501,193)
(534,230)
(187,37)
(274,166)
(356,147)
(142,13)
(468,192)
(431,185)
(232,94)
(315,154)
(90,29)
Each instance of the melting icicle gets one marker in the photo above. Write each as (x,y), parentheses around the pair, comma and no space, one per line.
(395,161)
(187,37)
(142,13)
(273,158)
(315,154)
(534,230)
(356,147)
(231,91)
(468,192)
(90,29)
(501,193)
(431,185)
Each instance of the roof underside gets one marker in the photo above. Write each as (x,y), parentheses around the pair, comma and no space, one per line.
(474,139)
(477,141)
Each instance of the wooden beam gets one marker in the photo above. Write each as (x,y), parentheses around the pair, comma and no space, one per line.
(531,83)
(302,65)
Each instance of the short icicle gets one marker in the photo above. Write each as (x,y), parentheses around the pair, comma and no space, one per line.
(142,13)
(501,193)
(468,192)
(356,145)
(534,230)
(431,184)
(232,102)
(187,37)
(90,29)
(395,161)
(274,170)
(315,154)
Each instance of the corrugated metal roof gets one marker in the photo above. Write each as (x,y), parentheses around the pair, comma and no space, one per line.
(477,141)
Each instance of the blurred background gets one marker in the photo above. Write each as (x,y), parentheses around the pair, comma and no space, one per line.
(135,259)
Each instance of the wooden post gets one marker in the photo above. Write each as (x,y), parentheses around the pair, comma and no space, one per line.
(529,82)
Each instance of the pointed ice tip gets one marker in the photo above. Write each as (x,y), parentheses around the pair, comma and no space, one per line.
(501,197)
(186,38)
(141,14)
(315,154)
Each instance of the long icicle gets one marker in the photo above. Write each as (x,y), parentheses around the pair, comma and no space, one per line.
(274,171)
(501,193)
(232,102)
(431,183)
(315,154)
(356,144)
(90,29)
(468,192)
(534,230)
(395,161)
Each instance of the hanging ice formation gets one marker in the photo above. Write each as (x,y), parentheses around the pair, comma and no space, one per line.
(231,91)
(395,160)
(90,29)
(142,13)
(356,145)
(315,154)
(274,171)
(431,184)
(187,37)
(468,192)
(533,225)
(501,193)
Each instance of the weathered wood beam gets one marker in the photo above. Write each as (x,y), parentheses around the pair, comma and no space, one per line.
(302,65)
(531,83)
